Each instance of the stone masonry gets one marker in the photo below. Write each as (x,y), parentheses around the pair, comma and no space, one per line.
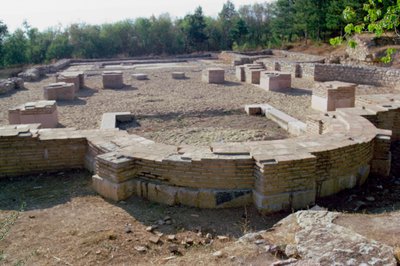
(59,91)
(328,96)
(213,75)
(77,78)
(273,175)
(41,112)
(113,80)
(275,81)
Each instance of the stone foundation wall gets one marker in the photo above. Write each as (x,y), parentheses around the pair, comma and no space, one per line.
(25,151)
(378,76)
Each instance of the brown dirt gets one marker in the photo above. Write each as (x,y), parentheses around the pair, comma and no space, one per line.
(64,222)
(175,111)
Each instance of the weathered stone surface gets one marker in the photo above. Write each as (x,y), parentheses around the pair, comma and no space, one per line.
(59,91)
(326,243)
(7,85)
(213,75)
(32,74)
(42,112)
(178,75)
(329,96)
(275,81)
(140,76)
(113,80)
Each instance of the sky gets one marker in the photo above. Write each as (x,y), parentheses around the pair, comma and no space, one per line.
(48,13)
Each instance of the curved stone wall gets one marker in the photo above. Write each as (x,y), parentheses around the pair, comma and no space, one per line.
(339,151)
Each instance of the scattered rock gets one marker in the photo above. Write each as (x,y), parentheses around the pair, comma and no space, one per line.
(167,218)
(171,237)
(291,251)
(218,254)
(154,239)
(160,222)
(223,238)
(209,236)
(32,216)
(128,229)
(169,258)
(151,228)
(168,222)
(98,252)
(141,249)
(284,262)
(188,242)
(259,242)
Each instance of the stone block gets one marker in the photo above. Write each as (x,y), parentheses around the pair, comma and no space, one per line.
(275,81)
(140,76)
(253,109)
(59,91)
(178,75)
(163,194)
(77,78)
(213,75)
(43,112)
(240,74)
(111,190)
(113,80)
(328,96)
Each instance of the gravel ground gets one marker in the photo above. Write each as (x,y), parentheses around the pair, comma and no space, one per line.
(174,111)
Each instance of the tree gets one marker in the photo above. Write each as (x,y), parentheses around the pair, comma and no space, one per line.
(15,48)
(60,47)
(3,33)
(239,32)
(227,18)
(194,28)
(380,16)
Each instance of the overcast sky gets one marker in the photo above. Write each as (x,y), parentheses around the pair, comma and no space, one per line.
(46,13)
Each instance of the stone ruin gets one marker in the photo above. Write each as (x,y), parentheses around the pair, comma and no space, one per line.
(41,112)
(213,75)
(275,81)
(10,84)
(178,75)
(59,91)
(113,80)
(139,76)
(268,80)
(333,151)
(328,96)
(77,78)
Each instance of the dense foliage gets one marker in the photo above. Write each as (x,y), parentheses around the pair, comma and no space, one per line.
(245,27)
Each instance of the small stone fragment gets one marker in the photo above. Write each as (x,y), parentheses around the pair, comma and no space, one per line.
(171,237)
(223,238)
(141,249)
(218,254)
(154,239)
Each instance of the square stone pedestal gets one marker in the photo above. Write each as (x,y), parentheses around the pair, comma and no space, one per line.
(327,96)
(43,112)
(113,80)
(213,75)
(275,80)
(59,91)
(77,78)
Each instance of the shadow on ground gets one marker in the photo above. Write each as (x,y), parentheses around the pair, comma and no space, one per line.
(43,191)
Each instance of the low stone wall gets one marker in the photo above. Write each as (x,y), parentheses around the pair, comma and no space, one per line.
(377,76)
(27,150)
(274,175)
(35,73)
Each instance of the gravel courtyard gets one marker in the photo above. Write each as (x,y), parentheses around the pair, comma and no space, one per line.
(173,111)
